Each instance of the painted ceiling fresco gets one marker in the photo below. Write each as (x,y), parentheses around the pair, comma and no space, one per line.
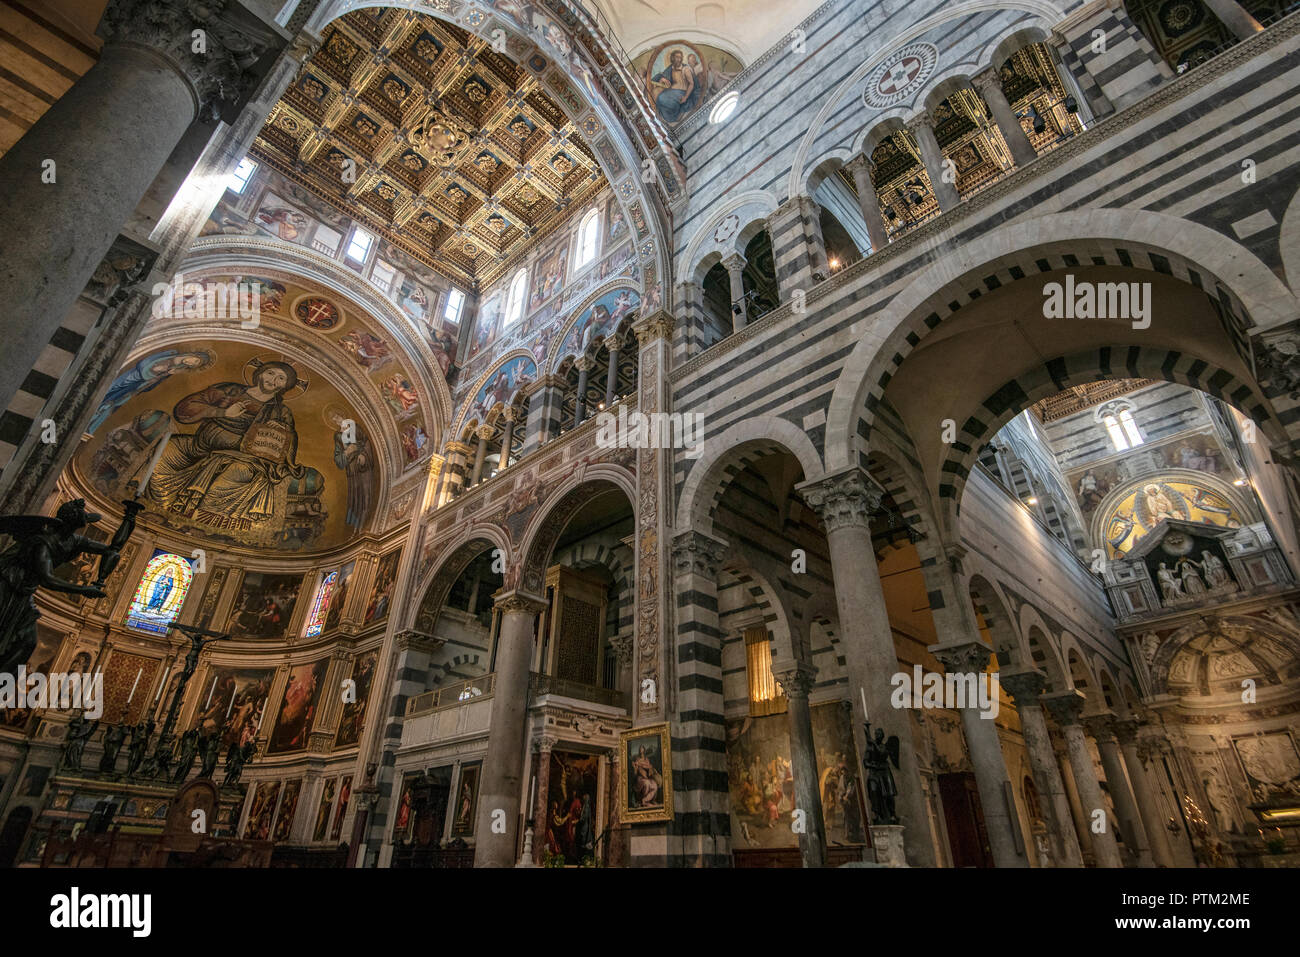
(679,77)
(1162,497)
(448,148)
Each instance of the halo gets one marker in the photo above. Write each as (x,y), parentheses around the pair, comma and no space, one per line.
(254,364)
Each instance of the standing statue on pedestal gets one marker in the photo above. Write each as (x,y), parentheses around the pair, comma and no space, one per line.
(881,789)
(74,746)
(41,544)
(210,749)
(140,736)
(236,758)
(114,738)
(189,751)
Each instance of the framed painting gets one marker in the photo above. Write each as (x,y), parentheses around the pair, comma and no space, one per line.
(466,806)
(645,786)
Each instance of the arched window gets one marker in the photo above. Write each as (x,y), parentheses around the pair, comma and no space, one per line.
(1120,425)
(320,605)
(515,298)
(161,593)
(588,238)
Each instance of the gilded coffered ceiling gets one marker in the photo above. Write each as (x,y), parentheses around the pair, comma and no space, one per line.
(445,147)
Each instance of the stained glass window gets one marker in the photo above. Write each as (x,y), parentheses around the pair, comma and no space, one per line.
(320,605)
(161,593)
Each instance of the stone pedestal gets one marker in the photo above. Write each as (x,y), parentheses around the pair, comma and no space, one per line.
(887,842)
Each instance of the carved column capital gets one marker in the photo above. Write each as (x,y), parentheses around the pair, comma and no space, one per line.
(1101,725)
(519,603)
(485,431)
(584,363)
(657,325)
(1065,706)
(1024,686)
(985,79)
(963,657)
(797,680)
(735,263)
(1126,730)
(546,743)
(695,553)
(221,76)
(860,165)
(622,645)
(845,500)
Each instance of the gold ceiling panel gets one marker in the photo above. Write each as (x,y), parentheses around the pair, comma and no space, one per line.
(423,132)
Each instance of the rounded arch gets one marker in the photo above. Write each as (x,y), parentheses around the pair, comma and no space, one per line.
(1043,651)
(1079,669)
(1011,651)
(1155,242)
(959,78)
(443,563)
(546,527)
(473,407)
(1048,13)
(563,346)
(727,454)
(789,642)
(1288,242)
(703,241)
(824,168)
(1238,630)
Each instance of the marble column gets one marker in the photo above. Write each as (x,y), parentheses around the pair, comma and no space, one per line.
(545,403)
(845,502)
(457,461)
(945,193)
(860,167)
(1066,707)
(484,432)
(1126,731)
(540,810)
(985,747)
(584,365)
(1025,687)
(1235,17)
(611,375)
(797,681)
(108,137)
(989,86)
(735,266)
(509,416)
(497,828)
(1100,727)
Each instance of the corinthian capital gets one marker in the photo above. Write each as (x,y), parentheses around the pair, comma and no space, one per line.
(520,603)
(846,500)
(214,44)
(695,553)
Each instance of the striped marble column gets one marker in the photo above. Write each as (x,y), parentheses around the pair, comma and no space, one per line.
(1108,54)
(544,403)
(798,249)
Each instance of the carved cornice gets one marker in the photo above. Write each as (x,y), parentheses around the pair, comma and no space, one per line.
(695,553)
(417,641)
(845,500)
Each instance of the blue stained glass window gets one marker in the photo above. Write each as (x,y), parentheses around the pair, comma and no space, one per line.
(161,593)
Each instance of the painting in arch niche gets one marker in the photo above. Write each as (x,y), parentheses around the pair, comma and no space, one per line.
(298,707)
(249,457)
(502,385)
(680,76)
(599,319)
(1157,498)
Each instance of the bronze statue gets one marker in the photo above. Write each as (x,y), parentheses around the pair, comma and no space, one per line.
(881,789)
(198,638)
(140,736)
(236,758)
(159,764)
(210,749)
(188,752)
(113,740)
(41,544)
(79,732)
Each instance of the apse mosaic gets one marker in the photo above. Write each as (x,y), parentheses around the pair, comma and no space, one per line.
(761,779)
(680,76)
(1158,498)
(161,593)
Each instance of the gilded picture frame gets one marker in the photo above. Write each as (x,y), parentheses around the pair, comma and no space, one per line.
(645,781)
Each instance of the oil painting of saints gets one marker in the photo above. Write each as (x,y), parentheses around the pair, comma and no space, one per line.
(234,473)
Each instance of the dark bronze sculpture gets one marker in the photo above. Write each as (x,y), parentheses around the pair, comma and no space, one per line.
(198,638)
(41,544)
(140,736)
(210,749)
(114,738)
(188,752)
(881,789)
(79,732)
(236,758)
